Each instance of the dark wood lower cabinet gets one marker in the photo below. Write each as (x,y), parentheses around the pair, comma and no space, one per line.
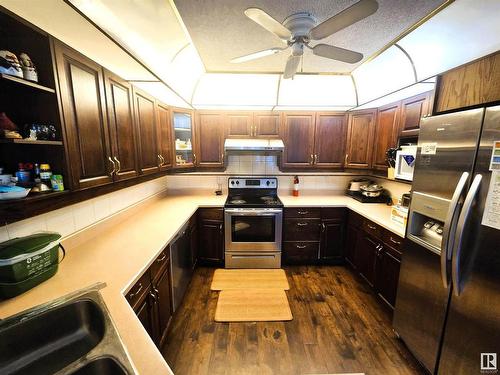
(366,250)
(211,236)
(350,245)
(162,290)
(387,276)
(332,240)
(143,312)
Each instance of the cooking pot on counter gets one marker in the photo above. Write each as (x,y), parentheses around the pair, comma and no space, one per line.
(371,190)
(355,185)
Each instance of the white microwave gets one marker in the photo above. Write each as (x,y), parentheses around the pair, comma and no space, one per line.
(405,162)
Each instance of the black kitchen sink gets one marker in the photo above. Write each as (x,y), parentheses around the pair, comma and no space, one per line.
(101,366)
(71,335)
(50,341)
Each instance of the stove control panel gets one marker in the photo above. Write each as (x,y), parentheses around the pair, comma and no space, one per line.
(253,183)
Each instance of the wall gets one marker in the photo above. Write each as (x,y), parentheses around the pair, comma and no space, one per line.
(71,219)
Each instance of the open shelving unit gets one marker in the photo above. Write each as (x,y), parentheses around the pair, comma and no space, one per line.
(26,83)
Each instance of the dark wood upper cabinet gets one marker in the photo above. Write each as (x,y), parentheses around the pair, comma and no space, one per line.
(413,109)
(239,125)
(386,133)
(359,145)
(329,140)
(86,132)
(210,136)
(266,125)
(164,132)
(122,128)
(145,116)
(298,136)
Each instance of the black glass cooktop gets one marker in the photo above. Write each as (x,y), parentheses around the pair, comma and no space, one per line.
(253,200)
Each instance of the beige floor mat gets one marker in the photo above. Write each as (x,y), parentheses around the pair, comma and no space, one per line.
(228,279)
(256,305)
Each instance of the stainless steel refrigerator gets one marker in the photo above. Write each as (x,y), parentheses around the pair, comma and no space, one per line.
(448,301)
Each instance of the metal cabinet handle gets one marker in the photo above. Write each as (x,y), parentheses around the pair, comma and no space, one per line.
(302,224)
(132,295)
(449,227)
(312,159)
(119,164)
(302,212)
(345,160)
(194,158)
(372,227)
(162,160)
(154,297)
(323,227)
(114,166)
(222,157)
(220,227)
(462,223)
(394,241)
(159,260)
(159,159)
(300,246)
(315,158)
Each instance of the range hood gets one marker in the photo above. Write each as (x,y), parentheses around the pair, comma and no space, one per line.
(254,145)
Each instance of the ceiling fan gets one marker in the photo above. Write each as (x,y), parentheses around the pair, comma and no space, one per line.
(300,28)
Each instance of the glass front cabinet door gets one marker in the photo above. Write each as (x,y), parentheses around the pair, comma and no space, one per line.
(183,139)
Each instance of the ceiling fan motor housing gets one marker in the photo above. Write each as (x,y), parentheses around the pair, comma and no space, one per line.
(300,24)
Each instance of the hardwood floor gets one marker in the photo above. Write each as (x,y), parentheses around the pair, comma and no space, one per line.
(339,326)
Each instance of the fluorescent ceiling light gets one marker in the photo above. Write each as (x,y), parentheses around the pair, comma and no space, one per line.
(311,108)
(236,90)
(388,72)
(317,91)
(462,32)
(160,91)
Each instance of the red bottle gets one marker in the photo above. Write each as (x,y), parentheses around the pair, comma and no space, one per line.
(296,186)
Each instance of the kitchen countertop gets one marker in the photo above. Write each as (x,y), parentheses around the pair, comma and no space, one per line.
(118,250)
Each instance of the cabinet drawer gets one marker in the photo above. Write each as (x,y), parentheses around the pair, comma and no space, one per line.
(392,240)
(302,229)
(300,252)
(159,264)
(372,228)
(305,212)
(140,288)
(211,213)
(333,213)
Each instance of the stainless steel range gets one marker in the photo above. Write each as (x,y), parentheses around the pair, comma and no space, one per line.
(253,216)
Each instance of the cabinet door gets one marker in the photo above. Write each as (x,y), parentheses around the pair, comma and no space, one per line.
(386,134)
(366,250)
(145,115)
(350,244)
(239,125)
(387,276)
(412,110)
(122,126)
(143,312)
(332,239)
(300,252)
(329,141)
(267,125)
(164,136)
(211,241)
(210,140)
(165,311)
(360,139)
(86,130)
(193,236)
(183,137)
(298,134)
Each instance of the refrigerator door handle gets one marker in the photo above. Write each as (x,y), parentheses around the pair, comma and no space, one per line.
(449,229)
(462,223)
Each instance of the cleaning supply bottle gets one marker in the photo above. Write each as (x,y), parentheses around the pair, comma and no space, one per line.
(296,186)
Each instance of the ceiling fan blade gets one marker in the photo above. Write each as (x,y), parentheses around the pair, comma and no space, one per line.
(353,14)
(269,23)
(257,55)
(337,53)
(292,65)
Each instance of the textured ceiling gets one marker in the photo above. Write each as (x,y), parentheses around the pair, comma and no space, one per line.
(221,31)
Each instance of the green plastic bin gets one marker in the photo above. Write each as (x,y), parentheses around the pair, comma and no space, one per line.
(27,261)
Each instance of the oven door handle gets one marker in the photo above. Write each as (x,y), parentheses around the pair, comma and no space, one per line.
(255,212)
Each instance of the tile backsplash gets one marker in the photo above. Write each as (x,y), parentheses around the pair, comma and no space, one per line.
(264,165)
(71,219)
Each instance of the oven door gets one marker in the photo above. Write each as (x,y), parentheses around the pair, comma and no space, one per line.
(253,229)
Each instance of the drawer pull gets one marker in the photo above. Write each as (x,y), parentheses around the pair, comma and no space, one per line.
(302,224)
(159,260)
(132,295)
(300,246)
(372,227)
(302,212)
(394,241)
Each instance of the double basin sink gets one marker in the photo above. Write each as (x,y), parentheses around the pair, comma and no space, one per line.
(71,335)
